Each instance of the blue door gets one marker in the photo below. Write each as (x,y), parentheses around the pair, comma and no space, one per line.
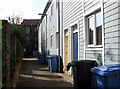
(75,46)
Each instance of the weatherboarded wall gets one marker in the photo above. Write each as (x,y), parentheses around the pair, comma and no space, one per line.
(112,32)
(73,14)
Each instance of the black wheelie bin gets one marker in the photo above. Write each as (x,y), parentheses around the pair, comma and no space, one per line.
(82,75)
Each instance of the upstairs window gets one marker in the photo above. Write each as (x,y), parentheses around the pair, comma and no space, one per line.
(94,29)
(51,41)
(52,10)
(28,30)
(57,40)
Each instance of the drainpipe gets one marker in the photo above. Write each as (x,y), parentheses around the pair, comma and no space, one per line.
(59,31)
(59,27)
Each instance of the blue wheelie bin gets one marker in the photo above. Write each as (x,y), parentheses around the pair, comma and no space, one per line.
(53,63)
(41,58)
(106,77)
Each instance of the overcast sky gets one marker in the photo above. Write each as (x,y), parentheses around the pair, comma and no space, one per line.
(28,9)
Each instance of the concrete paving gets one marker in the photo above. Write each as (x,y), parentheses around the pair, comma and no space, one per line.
(33,74)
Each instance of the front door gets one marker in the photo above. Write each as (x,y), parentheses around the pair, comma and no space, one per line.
(75,46)
(66,51)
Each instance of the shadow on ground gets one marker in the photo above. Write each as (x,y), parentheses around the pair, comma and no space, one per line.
(35,75)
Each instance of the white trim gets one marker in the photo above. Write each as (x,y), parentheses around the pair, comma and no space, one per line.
(103,51)
(51,43)
(63,47)
(84,56)
(78,41)
(56,31)
(92,10)
(72,32)
(66,34)
(94,31)
(93,49)
(71,45)
(51,34)
(56,49)
(56,40)
(75,30)
(72,24)
(65,28)
(95,46)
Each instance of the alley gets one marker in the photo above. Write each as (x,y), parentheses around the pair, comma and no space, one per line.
(32,74)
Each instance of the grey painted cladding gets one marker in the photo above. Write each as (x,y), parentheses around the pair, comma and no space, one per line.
(112,32)
(72,13)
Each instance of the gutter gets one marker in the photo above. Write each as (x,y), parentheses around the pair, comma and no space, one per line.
(45,10)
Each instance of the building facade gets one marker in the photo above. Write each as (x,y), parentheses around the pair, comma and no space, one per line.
(89,30)
(31,30)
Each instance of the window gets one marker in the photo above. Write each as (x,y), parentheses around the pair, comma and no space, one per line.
(27,30)
(74,27)
(98,29)
(94,29)
(52,9)
(51,41)
(57,39)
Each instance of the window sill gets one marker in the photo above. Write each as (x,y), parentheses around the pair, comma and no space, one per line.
(56,49)
(94,46)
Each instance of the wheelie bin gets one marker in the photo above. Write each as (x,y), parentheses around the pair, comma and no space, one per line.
(55,63)
(41,58)
(82,75)
(106,77)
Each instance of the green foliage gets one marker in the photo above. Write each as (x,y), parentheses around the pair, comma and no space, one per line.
(17,43)
(4,52)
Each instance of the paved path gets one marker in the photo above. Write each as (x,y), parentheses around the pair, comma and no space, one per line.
(35,75)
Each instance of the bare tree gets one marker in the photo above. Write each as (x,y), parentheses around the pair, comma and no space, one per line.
(15,19)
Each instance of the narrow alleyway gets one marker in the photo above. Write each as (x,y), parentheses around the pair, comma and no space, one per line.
(33,74)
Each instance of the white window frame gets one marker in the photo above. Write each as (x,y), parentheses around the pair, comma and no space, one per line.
(94,31)
(85,13)
(51,41)
(57,40)
(52,9)
(74,31)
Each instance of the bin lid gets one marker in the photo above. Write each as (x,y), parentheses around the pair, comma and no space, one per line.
(106,70)
(52,56)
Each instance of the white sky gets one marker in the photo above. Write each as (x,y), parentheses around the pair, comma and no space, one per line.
(28,9)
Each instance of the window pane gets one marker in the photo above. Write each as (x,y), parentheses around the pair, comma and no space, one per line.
(52,9)
(27,30)
(57,39)
(52,41)
(74,27)
(98,19)
(98,29)
(90,30)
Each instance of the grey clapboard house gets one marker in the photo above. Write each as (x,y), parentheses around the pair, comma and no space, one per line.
(89,30)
